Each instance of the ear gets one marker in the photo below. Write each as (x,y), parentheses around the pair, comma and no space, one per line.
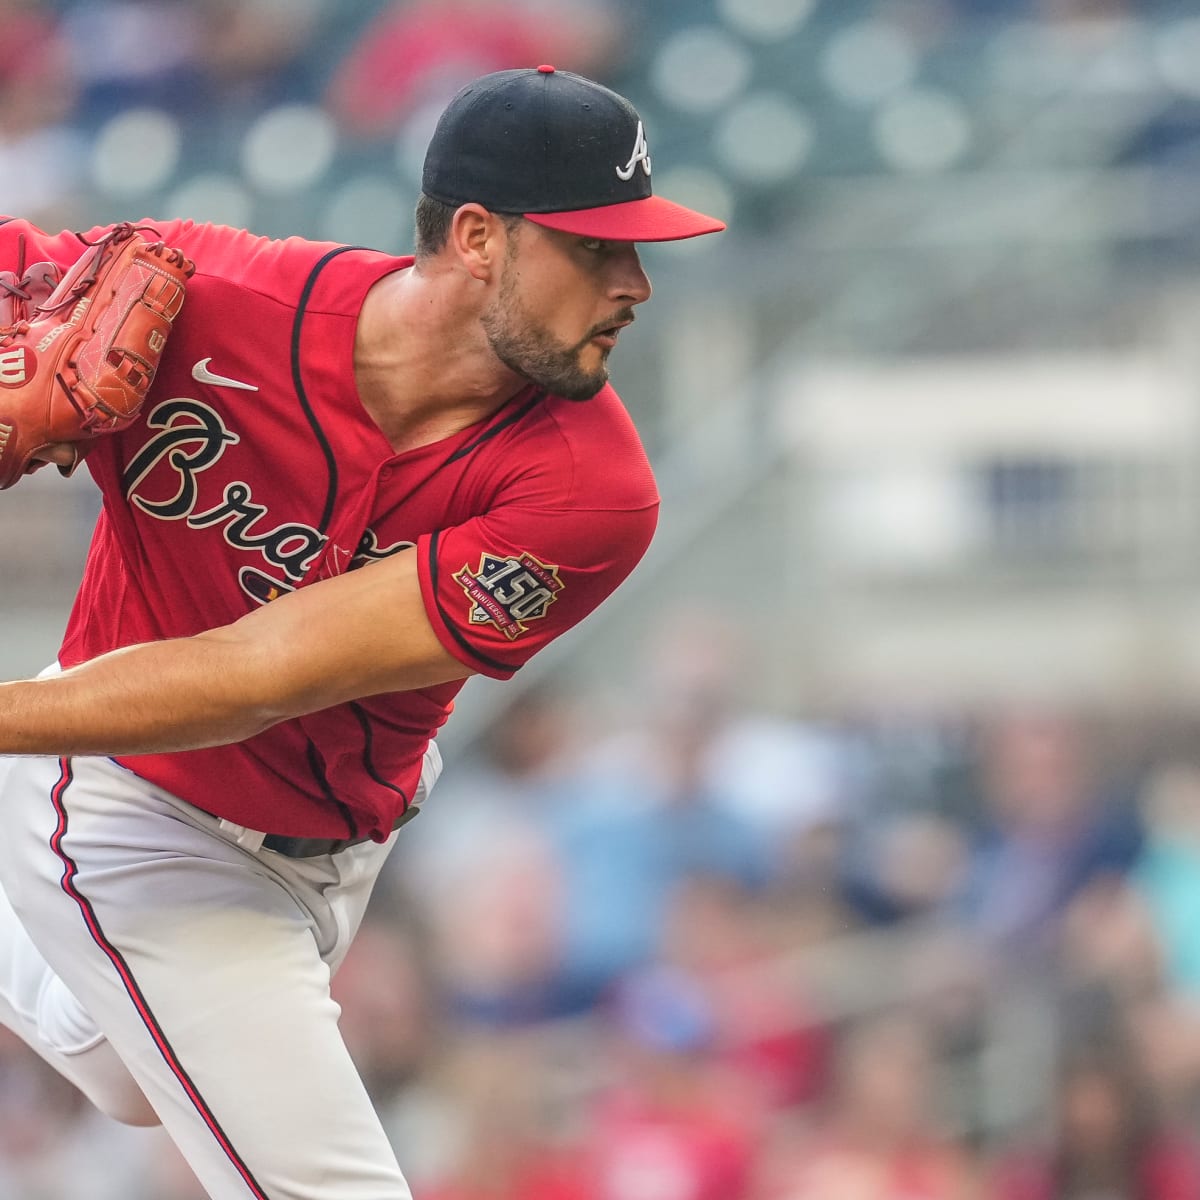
(480,239)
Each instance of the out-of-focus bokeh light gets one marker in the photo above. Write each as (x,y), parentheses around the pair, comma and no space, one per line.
(700,70)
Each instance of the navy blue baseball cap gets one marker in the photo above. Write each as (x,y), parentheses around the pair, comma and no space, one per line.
(560,150)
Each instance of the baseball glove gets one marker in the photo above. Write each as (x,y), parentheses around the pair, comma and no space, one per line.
(78,353)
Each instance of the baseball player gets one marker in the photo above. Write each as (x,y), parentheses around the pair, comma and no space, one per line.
(356,481)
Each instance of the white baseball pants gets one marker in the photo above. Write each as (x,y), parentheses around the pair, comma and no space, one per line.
(147,955)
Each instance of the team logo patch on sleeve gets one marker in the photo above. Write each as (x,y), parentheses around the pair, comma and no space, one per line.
(507,592)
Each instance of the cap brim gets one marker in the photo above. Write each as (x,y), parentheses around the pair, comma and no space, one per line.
(650,220)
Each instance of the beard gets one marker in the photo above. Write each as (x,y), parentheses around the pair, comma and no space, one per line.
(531,351)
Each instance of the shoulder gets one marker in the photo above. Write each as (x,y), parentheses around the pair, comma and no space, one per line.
(594,447)
(314,272)
(20,240)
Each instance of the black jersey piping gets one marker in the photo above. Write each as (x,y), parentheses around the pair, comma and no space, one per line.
(364,721)
(458,637)
(298,382)
(511,419)
(318,769)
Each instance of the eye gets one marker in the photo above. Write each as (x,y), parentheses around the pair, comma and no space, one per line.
(593,244)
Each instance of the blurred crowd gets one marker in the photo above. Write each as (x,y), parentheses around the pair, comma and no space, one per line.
(684,949)
(106,104)
(206,69)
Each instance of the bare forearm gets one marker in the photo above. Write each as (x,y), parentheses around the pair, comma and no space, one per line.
(160,696)
(356,635)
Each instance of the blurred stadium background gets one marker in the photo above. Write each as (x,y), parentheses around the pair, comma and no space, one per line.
(854,849)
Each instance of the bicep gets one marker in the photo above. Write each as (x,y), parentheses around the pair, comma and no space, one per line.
(354,635)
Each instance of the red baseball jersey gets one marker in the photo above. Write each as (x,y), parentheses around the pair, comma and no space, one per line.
(254,470)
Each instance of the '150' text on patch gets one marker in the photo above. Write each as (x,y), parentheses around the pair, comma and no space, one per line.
(508,592)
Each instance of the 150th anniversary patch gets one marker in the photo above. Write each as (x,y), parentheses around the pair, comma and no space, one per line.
(507,592)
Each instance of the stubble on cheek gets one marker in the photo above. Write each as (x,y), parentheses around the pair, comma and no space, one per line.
(531,351)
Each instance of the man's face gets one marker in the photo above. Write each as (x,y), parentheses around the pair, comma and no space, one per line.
(560,304)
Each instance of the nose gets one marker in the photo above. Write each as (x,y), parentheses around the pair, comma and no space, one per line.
(630,283)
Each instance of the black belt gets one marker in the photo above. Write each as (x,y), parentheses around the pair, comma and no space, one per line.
(298,847)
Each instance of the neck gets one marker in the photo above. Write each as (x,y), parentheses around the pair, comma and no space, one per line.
(422,364)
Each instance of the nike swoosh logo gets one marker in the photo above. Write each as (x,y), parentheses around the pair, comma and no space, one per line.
(201,374)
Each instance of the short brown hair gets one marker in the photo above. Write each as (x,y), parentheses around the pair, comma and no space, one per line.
(433,220)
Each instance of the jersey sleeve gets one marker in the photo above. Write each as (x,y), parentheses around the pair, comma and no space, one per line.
(503,585)
(20,237)
(22,244)
(234,254)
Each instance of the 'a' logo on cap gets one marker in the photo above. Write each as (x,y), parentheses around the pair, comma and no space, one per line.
(641,154)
